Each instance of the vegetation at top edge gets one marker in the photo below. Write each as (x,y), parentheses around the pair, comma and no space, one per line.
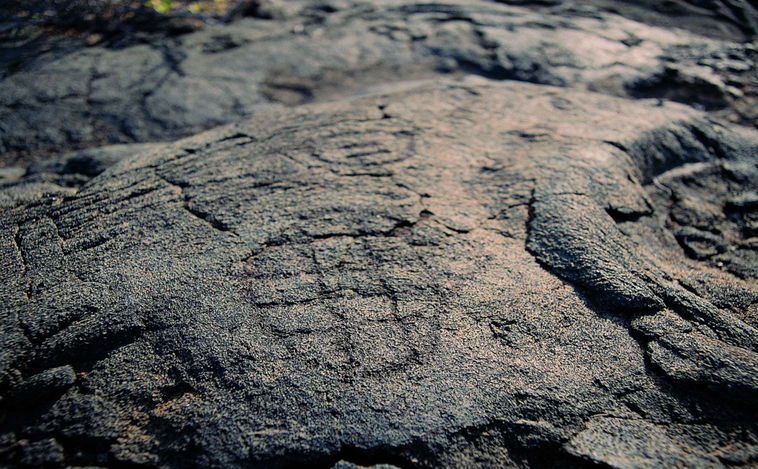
(106,17)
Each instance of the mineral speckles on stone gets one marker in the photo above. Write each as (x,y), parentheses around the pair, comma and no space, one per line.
(393,280)
(74,96)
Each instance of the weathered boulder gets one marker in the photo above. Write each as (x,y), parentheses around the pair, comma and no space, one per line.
(461,274)
(58,95)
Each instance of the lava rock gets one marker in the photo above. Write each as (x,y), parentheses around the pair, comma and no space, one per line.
(451,274)
(60,95)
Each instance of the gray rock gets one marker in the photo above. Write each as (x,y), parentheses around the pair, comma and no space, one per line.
(735,20)
(26,191)
(62,176)
(11,173)
(50,381)
(90,162)
(457,274)
(349,465)
(745,202)
(42,453)
(75,96)
(631,444)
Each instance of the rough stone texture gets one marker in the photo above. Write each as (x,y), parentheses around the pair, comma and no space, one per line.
(62,175)
(457,274)
(735,20)
(59,95)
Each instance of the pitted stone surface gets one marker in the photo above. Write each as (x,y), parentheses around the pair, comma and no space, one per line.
(460,274)
(58,95)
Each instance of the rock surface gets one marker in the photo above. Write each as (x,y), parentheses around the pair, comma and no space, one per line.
(62,175)
(442,266)
(60,95)
(452,274)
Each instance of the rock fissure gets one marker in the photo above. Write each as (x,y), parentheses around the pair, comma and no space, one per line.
(205,217)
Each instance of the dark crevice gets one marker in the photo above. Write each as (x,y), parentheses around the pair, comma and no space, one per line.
(367,234)
(238,135)
(663,149)
(382,108)
(194,211)
(621,215)
(172,60)
(670,85)
(209,218)
(618,145)
(711,144)
(27,288)
(171,57)
(495,72)
(17,242)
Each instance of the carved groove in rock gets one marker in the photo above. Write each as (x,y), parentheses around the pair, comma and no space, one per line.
(394,279)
